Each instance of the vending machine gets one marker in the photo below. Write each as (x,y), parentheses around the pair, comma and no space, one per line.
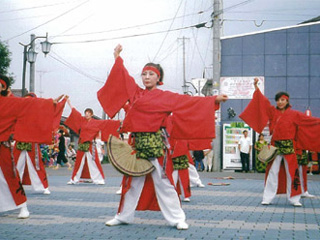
(231,136)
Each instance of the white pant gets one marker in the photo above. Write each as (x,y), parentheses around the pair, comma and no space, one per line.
(24,159)
(194,176)
(6,200)
(176,178)
(93,169)
(271,186)
(167,197)
(208,160)
(301,179)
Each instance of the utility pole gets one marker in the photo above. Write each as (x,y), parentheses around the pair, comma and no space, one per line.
(216,63)
(184,86)
(40,81)
(216,43)
(32,65)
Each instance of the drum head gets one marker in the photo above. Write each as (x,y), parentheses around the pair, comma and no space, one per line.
(125,161)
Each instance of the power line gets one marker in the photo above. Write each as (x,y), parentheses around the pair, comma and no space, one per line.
(129,27)
(35,7)
(72,67)
(167,31)
(76,25)
(128,36)
(70,10)
(22,18)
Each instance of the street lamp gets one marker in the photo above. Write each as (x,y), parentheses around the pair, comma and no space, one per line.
(30,55)
(185,88)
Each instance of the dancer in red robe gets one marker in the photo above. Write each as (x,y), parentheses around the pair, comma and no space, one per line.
(285,125)
(148,109)
(87,165)
(29,163)
(25,120)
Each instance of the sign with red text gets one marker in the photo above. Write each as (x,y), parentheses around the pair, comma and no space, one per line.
(240,87)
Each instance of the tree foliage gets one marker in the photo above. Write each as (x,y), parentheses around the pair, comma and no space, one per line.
(5,60)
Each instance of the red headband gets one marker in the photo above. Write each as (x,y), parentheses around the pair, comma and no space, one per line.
(3,82)
(151,68)
(285,97)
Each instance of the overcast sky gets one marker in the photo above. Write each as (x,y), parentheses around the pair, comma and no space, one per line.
(85,33)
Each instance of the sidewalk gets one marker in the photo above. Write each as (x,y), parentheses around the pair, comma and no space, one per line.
(215,212)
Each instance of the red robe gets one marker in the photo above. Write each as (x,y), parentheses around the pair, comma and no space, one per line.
(289,125)
(30,120)
(88,131)
(193,117)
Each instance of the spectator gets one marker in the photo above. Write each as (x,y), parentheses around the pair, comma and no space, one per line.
(260,166)
(245,146)
(198,157)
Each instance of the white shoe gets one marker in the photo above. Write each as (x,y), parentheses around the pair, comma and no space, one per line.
(100,182)
(71,182)
(24,213)
(265,203)
(186,200)
(114,222)
(46,191)
(182,226)
(307,195)
(200,185)
(297,204)
(119,192)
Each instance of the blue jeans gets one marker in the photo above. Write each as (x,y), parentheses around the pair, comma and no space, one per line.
(197,162)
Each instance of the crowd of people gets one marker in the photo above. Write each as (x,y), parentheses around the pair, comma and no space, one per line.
(161,132)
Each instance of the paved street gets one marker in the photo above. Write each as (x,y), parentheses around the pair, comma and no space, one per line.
(215,212)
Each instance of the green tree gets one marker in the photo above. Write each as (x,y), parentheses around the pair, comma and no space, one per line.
(5,60)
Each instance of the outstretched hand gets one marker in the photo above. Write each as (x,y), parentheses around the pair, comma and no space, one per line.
(255,83)
(221,98)
(117,51)
(56,100)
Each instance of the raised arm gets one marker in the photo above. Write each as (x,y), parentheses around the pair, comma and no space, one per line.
(255,83)
(117,51)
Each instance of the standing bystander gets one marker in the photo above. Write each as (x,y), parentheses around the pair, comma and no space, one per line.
(245,146)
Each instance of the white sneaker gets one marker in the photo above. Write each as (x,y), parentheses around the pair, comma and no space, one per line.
(46,191)
(200,185)
(182,226)
(114,222)
(307,195)
(265,203)
(71,182)
(24,213)
(119,192)
(297,204)
(100,182)
(186,200)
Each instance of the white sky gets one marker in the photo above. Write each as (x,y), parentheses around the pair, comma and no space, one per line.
(101,24)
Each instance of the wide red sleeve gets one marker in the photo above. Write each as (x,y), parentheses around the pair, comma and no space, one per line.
(74,121)
(110,127)
(118,89)
(57,114)
(257,113)
(199,144)
(194,117)
(32,119)
(308,133)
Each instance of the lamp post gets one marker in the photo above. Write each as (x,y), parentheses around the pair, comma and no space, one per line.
(30,55)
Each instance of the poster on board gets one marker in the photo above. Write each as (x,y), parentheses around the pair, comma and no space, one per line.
(231,136)
(240,87)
